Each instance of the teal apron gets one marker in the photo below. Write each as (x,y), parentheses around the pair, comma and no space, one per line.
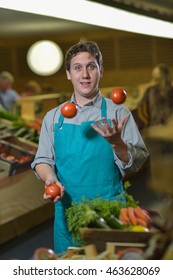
(85,167)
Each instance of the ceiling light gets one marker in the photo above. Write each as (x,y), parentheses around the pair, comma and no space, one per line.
(95,14)
(45,58)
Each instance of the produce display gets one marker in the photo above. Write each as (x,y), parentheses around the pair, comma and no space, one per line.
(130,216)
(13,159)
(9,157)
(102,224)
(18,143)
(103,214)
(12,124)
(100,213)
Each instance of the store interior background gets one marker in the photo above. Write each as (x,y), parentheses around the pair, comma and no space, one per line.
(128,61)
(128,57)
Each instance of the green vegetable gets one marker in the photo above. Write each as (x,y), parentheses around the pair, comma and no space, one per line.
(99,223)
(79,215)
(114,223)
(130,201)
(8,116)
(96,212)
(88,212)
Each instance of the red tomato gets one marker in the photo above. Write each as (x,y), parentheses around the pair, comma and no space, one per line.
(53,190)
(44,253)
(118,95)
(69,110)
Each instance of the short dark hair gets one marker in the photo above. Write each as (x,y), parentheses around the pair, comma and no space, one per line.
(83,46)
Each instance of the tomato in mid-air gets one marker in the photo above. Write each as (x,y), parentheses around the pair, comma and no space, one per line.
(118,95)
(53,190)
(69,110)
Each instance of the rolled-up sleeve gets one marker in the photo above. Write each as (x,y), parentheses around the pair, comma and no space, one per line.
(137,150)
(45,152)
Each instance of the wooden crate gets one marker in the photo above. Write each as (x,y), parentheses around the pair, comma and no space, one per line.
(99,237)
(16,158)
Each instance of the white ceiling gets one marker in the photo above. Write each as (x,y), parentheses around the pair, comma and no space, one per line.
(14,23)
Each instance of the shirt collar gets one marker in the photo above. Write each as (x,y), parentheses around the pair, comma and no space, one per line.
(96,101)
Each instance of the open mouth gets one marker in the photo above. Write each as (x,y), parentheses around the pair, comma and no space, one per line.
(85,84)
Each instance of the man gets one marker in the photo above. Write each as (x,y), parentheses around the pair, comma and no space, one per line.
(86,155)
(8,96)
(156,106)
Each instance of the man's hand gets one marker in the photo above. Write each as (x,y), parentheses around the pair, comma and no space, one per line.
(48,183)
(111,133)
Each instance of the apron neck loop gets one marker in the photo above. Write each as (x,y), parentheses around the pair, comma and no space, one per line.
(61,118)
(60,122)
(103,108)
(103,113)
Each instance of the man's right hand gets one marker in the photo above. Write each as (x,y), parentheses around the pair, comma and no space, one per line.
(55,199)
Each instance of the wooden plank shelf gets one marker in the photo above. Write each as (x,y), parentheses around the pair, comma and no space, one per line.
(99,237)
(22,206)
(48,101)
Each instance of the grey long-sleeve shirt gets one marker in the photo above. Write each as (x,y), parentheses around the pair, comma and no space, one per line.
(137,150)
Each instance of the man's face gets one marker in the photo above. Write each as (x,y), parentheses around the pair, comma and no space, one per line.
(84,74)
(4,85)
(156,76)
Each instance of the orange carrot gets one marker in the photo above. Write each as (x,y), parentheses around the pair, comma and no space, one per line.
(123,220)
(124,214)
(140,213)
(141,222)
(131,216)
(148,216)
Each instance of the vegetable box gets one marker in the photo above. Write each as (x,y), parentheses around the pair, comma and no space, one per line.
(99,237)
(13,159)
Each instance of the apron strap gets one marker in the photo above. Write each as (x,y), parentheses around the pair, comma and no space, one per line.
(103,108)
(61,119)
